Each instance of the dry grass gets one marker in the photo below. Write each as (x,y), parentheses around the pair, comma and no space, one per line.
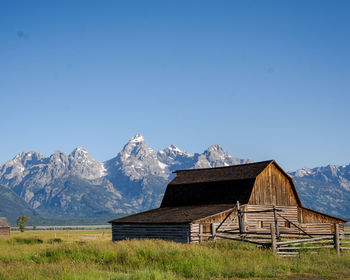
(91,255)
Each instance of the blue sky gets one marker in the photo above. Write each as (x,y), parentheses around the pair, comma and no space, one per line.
(265,79)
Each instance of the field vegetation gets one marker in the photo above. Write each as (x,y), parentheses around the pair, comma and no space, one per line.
(91,255)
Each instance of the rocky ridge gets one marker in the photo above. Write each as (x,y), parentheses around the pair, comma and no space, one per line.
(326,189)
(76,185)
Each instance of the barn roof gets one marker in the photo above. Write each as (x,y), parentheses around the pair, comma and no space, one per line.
(225,185)
(175,215)
(233,172)
(4,223)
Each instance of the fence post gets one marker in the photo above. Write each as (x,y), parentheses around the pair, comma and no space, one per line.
(213,231)
(200,232)
(240,220)
(276,223)
(336,238)
(273,238)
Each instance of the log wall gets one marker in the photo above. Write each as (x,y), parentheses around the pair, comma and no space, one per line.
(260,222)
(310,216)
(253,220)
(5,231)
(171,232)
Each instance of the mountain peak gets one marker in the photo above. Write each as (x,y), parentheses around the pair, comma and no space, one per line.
(28,158)
(303,172)
(20,155)
(137,138)
(216,147)
(79,151)
(58,157)
(25,154)
(174,148)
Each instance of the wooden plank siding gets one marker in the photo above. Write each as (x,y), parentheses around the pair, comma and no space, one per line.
(172,232)
(311,216)
(206,230)
(260,222)
(253,220)
(4,231)
(272,187)
(321,228)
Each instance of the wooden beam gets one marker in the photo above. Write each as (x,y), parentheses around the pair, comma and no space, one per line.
(273,238)
(336,239)
(224,220)
(213,231)
(276,222)
(303,240)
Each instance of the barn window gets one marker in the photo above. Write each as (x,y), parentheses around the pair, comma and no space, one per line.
(260,224)
(287,224)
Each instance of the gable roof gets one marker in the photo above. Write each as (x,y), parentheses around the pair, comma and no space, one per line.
(175,215)
(221,185)
(4,223)
(215,174)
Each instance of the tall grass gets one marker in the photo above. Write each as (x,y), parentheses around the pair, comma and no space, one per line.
(137,259)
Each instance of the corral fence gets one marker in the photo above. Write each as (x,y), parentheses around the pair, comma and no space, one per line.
(282,243)
(313,244)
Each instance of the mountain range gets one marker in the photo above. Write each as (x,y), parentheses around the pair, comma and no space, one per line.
(75,186)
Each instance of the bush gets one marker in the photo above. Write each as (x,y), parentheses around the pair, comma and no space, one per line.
(54,240)
(32,240)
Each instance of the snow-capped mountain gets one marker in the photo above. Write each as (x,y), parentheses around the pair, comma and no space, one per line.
(215,156)
(326,189)
(76,185)
(62,183)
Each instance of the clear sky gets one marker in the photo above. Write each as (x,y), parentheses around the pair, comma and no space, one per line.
(265,79)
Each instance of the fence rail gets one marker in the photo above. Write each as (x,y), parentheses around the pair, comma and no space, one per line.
(288,245)
(345,240)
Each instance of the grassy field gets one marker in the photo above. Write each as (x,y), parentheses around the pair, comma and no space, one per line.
(91,255)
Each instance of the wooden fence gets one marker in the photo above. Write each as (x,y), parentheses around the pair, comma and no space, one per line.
(287,245)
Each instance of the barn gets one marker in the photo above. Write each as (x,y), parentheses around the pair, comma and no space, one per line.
(4,227)
(259,194)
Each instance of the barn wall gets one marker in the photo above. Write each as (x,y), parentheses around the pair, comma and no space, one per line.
(216,220)
(260,222)
(4,231)
(177,233)
(324,228)
(272,187)
(253,220)
(309,216)
(195,231)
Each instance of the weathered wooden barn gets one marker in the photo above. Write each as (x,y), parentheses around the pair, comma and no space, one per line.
(197,198)
(4,227)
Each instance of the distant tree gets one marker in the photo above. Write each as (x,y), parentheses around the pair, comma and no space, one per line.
(21,222)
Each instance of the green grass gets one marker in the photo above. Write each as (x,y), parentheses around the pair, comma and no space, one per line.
(91,255)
